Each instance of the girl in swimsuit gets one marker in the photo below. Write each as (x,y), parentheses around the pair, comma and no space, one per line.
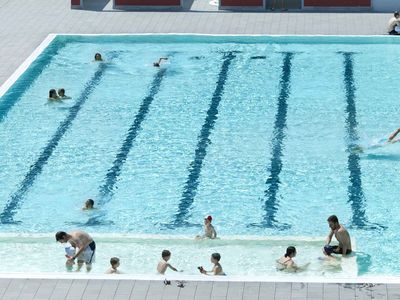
(287,263)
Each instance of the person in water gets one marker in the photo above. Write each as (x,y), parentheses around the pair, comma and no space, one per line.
(286,262)
(97,57)
(209,230)
(342,236)
(53,95)
(82,241)
(217,268)
(158,63)
(89,203)
(383,142)
(61,94)
(164,264)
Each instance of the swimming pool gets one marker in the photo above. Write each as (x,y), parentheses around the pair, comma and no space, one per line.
(255,131)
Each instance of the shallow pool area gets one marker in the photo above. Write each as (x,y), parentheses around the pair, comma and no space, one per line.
(259,132)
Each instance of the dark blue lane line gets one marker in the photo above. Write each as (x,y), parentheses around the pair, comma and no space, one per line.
(106,191)
(14,94)
(7,216)
(192,182)
(355,190)
(271,204)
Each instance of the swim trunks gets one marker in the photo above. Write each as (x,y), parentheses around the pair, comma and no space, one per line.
(88,254)
(335,249)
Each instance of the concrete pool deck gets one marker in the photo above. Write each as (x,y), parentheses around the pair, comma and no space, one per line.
(26,23)
(59,289)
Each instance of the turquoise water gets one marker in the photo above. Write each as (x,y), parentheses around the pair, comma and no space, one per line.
(255,131)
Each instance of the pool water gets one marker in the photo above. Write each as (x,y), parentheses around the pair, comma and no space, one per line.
(256,131)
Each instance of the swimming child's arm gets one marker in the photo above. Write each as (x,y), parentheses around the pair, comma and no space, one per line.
(394,134)
(172,268)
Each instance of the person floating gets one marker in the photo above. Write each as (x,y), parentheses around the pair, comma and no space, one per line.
(394,23)
(97,57)
(287,263)
(341,235)
(217,268)
(164,264)
(158,63)
(89,204)
(61,94)
(53,95)
(85,244)
(209,230)
(114,262)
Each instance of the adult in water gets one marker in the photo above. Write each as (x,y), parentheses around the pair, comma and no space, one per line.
(82,241)
(287,263)
(97,57)
(158,63)
(341,235)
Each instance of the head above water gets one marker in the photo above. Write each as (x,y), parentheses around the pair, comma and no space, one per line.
(61,237)
(215,257)
(61,92)
(114,262)
(396,14)
(290,252)
(98,57)
(89,203)
(52,93)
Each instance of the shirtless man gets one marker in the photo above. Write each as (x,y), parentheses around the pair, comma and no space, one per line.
(342,236)
(393,22)
(82,241)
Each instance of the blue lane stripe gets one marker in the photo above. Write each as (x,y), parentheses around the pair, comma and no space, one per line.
(7,216)
(14,94)
(271,203)
(107,189)
(192,182)
(355,190)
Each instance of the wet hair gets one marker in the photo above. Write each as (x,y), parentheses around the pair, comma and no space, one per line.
(90,201)
(165,253)
(333,219)
(396,14)
(97,55)
(289,251)
(60,235)
(61,91)
(52,93)
(216,256)
(114,261)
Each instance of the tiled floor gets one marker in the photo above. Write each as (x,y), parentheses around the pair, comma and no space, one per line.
(25,23)
(25,289)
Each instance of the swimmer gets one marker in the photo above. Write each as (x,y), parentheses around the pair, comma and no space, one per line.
(164,264)
(97,57)
(217,268)
(209,230)
(53,95)
(382,142)
(114,262)
(157,64)
(287,263)
(88,204)
(61,94)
